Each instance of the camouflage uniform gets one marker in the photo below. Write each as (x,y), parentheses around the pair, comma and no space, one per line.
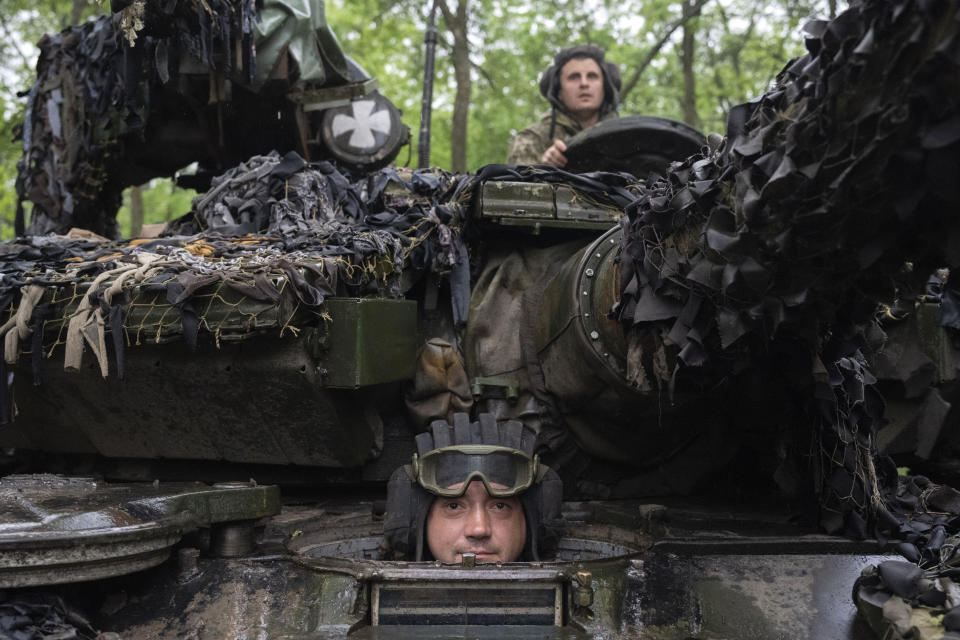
(528,145)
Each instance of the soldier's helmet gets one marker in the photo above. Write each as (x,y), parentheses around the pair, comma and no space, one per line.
(500,456)
(550,80)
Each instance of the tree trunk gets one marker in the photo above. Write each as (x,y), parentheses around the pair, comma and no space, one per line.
(689,81)
(77,12)
(457,24)
(639,68)
(136,211)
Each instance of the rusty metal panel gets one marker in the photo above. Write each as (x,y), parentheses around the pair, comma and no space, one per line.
(56,529)
(537,205)
(573,206)
(516,200)
(462,602)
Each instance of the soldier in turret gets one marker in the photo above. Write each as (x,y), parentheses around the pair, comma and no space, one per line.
(474,489)
(582,89)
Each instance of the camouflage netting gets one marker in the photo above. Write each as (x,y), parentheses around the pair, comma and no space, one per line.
(91,93)
(783,240)
(901,601)
(43,617)
(156,86)
(259,252)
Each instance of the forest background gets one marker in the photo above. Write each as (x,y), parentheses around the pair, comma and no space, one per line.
(689,60)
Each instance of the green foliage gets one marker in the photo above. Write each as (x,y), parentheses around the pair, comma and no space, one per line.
(163,201)
(9,154)
(741,46)
(8,196)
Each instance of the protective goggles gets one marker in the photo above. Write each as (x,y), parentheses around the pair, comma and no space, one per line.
(448,471)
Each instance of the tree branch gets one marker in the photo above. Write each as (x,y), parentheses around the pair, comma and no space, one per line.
(448,18)
(483,72)
(673,26)
(448,48)
(9,37)
(77,11)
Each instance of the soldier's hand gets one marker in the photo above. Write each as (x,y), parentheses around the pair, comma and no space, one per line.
(554,155)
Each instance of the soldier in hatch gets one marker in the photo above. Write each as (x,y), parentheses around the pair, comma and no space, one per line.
(582,90)
(474,488)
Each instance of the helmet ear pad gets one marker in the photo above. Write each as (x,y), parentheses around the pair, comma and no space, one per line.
(611,87)
(542,507)
(547,82)
(406,517)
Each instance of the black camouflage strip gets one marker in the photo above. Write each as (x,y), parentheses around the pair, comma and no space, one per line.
(788,235)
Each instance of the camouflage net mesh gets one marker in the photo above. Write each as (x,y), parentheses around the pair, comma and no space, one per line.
(261,251)
(147,316)
(305,233)
(25,616)
(825,186)
(86,101)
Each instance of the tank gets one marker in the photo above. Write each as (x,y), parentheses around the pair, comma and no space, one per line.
(199,427)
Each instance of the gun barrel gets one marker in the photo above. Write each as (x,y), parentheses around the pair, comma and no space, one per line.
(572,323)
(611,407)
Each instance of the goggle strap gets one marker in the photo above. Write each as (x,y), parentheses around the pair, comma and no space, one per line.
(541,470)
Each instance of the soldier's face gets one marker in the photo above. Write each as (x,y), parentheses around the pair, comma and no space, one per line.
(492,528)
(581,86)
